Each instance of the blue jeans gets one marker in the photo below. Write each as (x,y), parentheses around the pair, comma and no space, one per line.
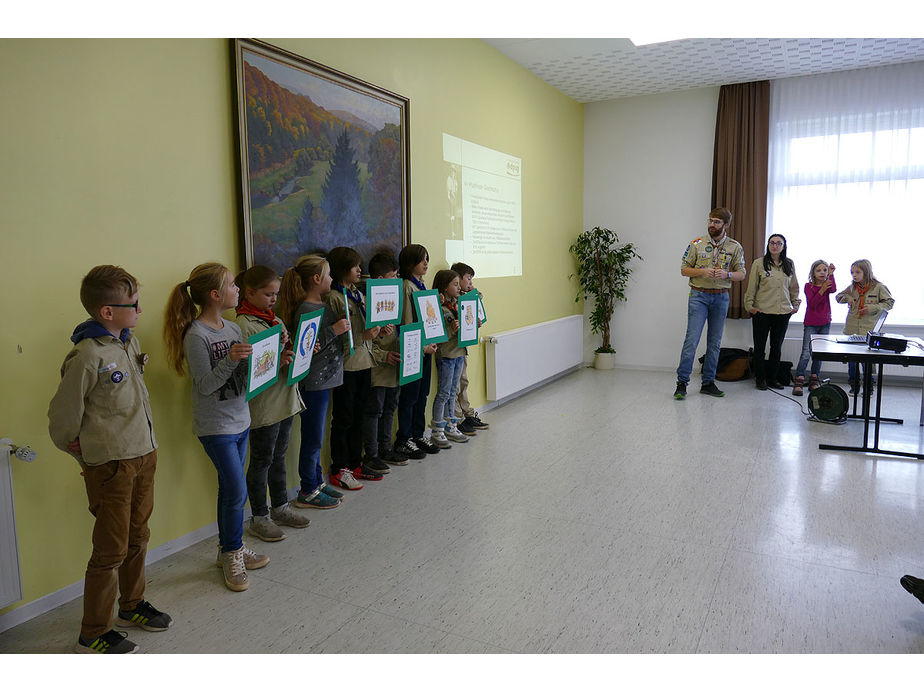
(228,453)
(313,417)
(448,372)
(702,306)
(807,332)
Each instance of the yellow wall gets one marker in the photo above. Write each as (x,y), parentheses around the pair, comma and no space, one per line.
(124,151)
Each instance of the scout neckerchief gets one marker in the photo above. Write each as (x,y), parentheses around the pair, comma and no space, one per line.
(862,291)
(419,284)
(452,306)
(354,295)
(715,248)
(247,308)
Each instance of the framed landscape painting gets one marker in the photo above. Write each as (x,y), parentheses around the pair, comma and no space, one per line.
(324,159)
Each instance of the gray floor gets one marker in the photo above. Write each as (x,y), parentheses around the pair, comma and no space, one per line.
(597,515)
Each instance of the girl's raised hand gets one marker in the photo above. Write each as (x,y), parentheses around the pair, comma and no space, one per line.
(340,326)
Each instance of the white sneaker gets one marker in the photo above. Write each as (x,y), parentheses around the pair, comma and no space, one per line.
(455,435)
(345,479)
(438,438)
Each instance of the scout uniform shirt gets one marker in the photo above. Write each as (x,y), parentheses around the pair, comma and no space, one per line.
(102,398)
(875,300)
(727,254)
(772,291)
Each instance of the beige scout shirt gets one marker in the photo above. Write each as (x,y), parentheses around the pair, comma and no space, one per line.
(103,401)
(702,253)
(877,299)
(279,401)
(771,292)
(385,374)
(362,351)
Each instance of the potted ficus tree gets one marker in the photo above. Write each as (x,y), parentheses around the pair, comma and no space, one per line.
(603,271)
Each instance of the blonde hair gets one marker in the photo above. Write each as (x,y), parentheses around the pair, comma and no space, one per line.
(186,302)
(295,285)
(867,269)
(812,271)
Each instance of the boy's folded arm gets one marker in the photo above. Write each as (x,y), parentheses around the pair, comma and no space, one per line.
(65,412)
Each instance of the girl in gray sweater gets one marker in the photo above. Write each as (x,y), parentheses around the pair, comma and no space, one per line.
(216,354)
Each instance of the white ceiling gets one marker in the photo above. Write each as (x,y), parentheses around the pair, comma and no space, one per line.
(590,70)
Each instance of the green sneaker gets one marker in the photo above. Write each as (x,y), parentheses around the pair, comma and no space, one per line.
(681,391)
(711,389)
(145,616)
(112,642)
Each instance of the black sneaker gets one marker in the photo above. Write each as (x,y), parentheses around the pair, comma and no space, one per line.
(711,389)
(476,422)
(426,446)
(915,586)
(145,616)
(394,458)
(680,392)
(376,465)
(410,450)
(366,473)
(466,427)
(112,642)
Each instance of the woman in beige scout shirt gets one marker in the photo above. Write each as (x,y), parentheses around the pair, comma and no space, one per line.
(771,299)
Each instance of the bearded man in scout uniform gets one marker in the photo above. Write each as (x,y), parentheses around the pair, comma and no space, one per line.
(712,263)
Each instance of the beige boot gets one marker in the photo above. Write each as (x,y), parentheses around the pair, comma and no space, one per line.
(232,567)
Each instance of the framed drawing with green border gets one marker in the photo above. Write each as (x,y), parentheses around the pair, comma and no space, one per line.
(468,319)
(410,341)
(263,366)
(383,301)
(430,314)
(306,336)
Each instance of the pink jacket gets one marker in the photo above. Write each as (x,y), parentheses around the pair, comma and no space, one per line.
(817,304)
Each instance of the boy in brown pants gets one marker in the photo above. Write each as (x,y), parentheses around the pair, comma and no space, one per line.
(101,415)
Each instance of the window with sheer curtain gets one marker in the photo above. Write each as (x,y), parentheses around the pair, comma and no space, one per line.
(846,178)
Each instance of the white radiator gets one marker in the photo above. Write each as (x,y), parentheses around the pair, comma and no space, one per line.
(518,359)
(10,576)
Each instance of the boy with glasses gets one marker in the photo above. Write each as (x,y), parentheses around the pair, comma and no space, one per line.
(101,415)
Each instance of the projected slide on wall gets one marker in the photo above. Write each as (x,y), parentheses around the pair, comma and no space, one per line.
(484,208)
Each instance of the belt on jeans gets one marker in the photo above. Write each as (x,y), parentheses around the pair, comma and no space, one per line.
(710,291)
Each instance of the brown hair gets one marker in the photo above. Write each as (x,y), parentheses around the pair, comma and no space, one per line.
(721,213)
(295,284)
(443,279)
(409,257)
(342,260)
(185,303)
(254,278)
(381,264)
(105,285)
(462,269)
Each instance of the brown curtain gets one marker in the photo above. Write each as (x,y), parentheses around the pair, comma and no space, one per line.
(739,171)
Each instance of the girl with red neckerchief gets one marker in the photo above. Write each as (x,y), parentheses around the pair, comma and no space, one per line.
(866,298)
